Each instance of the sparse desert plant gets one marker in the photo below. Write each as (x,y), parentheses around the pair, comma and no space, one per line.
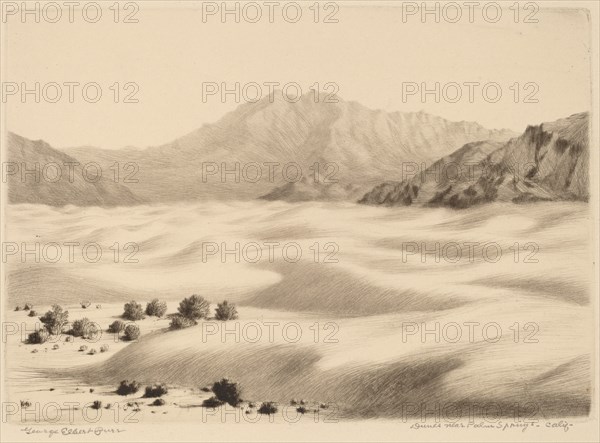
(35,351)
(28,307)
(194,307)
(132,332)
(33,313)
(116,327)
(268,408)
(38,337)
(155,391)
(92,351)
(212,402)
(69,338)
(133,311)
(227,391)
(293,402)
(156,308)
(104,348)
(226,311)
(180,322)
(97,404)
(25,404)
(301,409)
(55,319)
(159,402)
(84,328)
(83,348)
(86,304)
(206,389)
(55,347)
(128,387)
(99,307)
(17,308)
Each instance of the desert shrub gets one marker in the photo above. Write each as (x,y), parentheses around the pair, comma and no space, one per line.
(159,402)
(132,332)
(226,311)
(82,348)
(116,327)
(35,351)
(69,338)
(98,306)
(128,387)
(268,408)
(156,308)
(25,404)
(181,322)
(155,391)
(17,308)
(194,307)
(301,409)
(104,348)
(55,347)
(293,402)
(92,351)
(55,319)
(86,304)
(38,337)
(212,402)
(28,307)
(206,389)
(97,404)
(133,311)
(33,313)
(84,328)
(227,391)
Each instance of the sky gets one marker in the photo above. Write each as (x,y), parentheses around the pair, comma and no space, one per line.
(373,54)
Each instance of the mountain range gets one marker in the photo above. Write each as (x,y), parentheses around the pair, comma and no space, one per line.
(313,150)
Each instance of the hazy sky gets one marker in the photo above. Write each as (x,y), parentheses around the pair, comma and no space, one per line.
(370,53)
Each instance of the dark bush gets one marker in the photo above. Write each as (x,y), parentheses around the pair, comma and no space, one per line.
(55,347)
(226,311)
(17,308)
(227,391)
(84,328)
(133,311)
(33,313)
(268,408)
(194,307)
(55,319)
(155,391)
(25,404)
(206,389)
(132,332)
(38,337)
(301,409)
(126,387)
(180,322)
(159,402)
(27,307)
(116,327)
(86,304)
(156,308)
(97,404)
(212,402)
(82,348)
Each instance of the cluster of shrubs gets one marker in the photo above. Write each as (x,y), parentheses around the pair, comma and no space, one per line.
(130,332)
(225,391)
(26,307)
(128,387)
(155,391)
(194,308)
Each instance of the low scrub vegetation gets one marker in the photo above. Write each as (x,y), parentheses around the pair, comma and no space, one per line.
(227,391)
(194,307)
(38,337)
(267,408)
(116,327)
(155,391)
(128,387)
(84,328)
(212,402)
(133,311)
(226,311)
(132,332)
(156,308)
(180,322)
